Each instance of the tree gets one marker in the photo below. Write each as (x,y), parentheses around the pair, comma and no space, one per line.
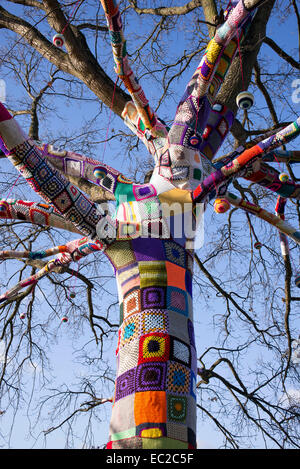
(154,403)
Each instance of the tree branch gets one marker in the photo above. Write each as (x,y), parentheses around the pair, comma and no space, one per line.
(79,61)
(166,11)
(236,80)
(298,21)
(28,3)
(281,53)
(265,93)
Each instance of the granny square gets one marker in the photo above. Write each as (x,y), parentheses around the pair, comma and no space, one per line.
(154,321)
(176,408)
(177,300)
(131,303)
(151,377)
(143,191)
(125,384)
(178,379)
(130,329)
(180,352)
(154,347)
(174,253)
(153,298)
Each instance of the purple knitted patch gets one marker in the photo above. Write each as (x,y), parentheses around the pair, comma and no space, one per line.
(151,377)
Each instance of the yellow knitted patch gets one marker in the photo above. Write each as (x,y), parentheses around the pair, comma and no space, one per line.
(213,51)
(153,273)
(161,347)
(151,433)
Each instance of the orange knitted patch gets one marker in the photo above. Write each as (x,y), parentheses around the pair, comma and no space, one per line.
(150,406)
(175,275)
(248,154)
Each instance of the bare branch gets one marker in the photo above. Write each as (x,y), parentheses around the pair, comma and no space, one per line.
(282,53)
(166,11)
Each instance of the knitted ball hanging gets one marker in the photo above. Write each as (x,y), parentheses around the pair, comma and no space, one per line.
(245,100)
(221,205)
(283,177)
(257,245)
(58,40)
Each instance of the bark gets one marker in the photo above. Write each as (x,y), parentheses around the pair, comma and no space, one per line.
(210,13)
(167,11)
(237,79)
(81,63)
(77,61)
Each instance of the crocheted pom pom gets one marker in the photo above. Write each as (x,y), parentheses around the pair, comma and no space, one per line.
(194,140)
(283,177)
(245,100)
(99,173)
(58,40)
(221,205)
(3,207)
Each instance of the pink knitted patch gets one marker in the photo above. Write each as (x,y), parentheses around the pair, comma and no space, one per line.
(4,114)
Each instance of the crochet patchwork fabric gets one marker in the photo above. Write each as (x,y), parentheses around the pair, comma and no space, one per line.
(155,398)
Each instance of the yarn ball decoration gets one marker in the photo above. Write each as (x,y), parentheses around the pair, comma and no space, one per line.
(64,319)
(99,173)
(194,140)
(221,205)
(283,177)
(245,100)
(257,245)
(58,40)
(3,208)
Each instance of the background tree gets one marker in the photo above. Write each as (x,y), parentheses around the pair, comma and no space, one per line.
(251,377)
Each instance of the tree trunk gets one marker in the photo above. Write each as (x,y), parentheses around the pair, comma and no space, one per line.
(155,398)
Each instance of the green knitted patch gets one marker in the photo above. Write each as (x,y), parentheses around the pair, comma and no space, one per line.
(163,443)
(124,193)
